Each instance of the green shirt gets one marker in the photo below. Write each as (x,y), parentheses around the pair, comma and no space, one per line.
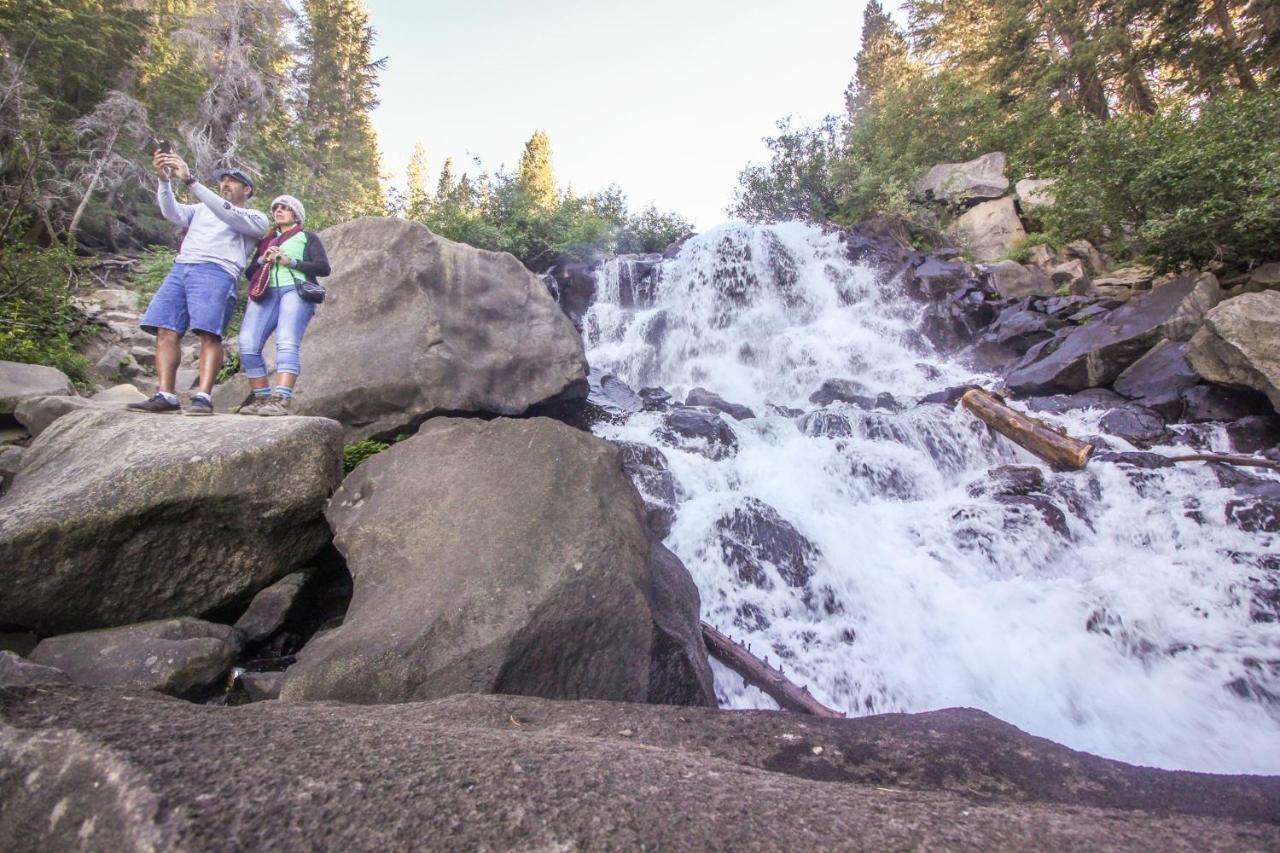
(293,248)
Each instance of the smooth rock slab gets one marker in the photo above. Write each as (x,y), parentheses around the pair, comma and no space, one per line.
(36,413)
(503,772)
(117,517)
(19,381)
(17,671)
(176,656)
(415,324)
(1239,344)
(270,607)
(506,556)
(982,177)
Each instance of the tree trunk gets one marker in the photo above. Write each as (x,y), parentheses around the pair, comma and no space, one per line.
(93,185)
(1062,452)
(777,686)
(1222,17)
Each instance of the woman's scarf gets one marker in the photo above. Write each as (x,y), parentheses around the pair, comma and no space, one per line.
(261,279)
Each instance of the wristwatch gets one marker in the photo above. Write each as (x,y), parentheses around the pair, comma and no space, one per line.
(188,180)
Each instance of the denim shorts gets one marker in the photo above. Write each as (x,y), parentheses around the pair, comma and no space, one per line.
(194,296)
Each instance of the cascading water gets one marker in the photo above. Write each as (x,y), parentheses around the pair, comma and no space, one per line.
(867,550)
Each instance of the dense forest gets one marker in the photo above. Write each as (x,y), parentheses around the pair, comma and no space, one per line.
(1159,119)
(283,91)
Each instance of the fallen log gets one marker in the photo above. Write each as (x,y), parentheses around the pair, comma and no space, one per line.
(1248,461)
(788,695)
(1062,452)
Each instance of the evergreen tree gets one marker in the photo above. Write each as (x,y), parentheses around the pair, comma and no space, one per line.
(446,186)
(339,169)
(417,197)
(884,46)
(535,175)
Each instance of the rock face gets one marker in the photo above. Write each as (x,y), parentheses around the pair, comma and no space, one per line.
(117,517)
(957,183)
(270,607)
(506,556)
(505,772)
(16,671)
(1012,280)
(1239,344)
(36,413)
(175,656)
(19,381)
(415,324)
(1158,379)
(1099,351)
(990,230)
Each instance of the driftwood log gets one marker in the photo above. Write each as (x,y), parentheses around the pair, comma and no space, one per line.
(1062,452)
(1247,461)
(788,695)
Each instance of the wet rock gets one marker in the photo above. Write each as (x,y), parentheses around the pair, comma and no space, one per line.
(1239,344)
(17,671)
(961,183)
(172,516)
(176,656)
(878,241)
(575,288)
(839,390)
(948,396)
(1134,458)
(885,479)
(1091,398)
(612,395)
(647,468)
(710,400)
(1136,424)
(754,539)
(1012,280)
(828,424)
(655,399)
(1019,329)
(1007,480)
(1158,378)
(480,332)
(1097,353)
(1048,513)
(570,596)
(699,431)
(783,411)
(1254,433)
(270,608)
(990,230)
(934,278)
(1218,403)
(20,381)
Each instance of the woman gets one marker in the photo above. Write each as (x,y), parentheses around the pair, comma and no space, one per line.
(285,258)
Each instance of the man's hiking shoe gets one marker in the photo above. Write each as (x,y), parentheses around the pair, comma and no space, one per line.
(198,407)
(275,407)
(157,405)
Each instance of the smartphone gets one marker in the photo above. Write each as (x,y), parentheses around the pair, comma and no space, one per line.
(164,146)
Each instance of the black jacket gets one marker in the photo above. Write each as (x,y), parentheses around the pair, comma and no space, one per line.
(314,263)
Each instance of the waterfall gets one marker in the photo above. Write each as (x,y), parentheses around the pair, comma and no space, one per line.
(871,550)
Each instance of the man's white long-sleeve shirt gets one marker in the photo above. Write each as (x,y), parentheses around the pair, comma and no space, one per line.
(218,232)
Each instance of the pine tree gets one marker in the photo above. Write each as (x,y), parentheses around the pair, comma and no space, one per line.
(883,46)
(535,175)
(417,196)
(337,84)
(446,186)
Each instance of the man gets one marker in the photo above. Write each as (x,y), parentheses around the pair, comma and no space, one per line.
(200,291)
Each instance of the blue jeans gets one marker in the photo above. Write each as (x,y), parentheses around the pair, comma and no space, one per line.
(193,296)
(281,311)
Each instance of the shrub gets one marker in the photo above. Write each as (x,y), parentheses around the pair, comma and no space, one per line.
(155,264)
(36,317)
(356,452)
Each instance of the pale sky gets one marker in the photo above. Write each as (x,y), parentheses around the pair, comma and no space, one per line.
(667,99)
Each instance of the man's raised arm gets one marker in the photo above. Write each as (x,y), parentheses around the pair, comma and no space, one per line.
(242,220)
(171,208)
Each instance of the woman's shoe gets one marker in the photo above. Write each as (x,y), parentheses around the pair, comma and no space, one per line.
(252,407)
(275,407)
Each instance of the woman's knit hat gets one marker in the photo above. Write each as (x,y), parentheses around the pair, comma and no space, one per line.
(293,204)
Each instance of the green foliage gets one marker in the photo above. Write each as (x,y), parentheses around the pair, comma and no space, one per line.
(799,182)
(36,318)
(153,266)
(355,453)
(1180,185)
(1022,254)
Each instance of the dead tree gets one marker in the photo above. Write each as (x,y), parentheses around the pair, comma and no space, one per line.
(788,695)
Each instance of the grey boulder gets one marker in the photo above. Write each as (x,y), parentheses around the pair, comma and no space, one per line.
(1012,280)
(19,381)
(177,656)
(504,556)
(957,183)
(1098,352)
(270,607)
(1033,193)
(990,231)
(1158,378)
(117,518)
(415,324)
(1239,344)
(36,413)
(17,671)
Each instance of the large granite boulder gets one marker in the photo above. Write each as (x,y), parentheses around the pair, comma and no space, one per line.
(142,771)
(504,556)
(958,183)
(178,656)
(116,517)
(36,413)
(990,231)
(1239,344)
(20,381)
(1035,193)
(416,324)
(17,671)
(1099,351)
(1158,378)
(1012,280)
